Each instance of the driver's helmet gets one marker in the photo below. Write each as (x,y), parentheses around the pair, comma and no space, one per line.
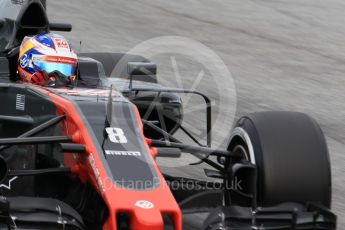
(47,59)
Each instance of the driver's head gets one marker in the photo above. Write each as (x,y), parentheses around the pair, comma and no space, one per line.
(47,59)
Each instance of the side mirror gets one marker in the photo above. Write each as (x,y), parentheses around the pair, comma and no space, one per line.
(64,27)
(140,68)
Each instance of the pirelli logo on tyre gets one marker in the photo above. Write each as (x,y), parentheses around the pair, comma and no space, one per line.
(123,153)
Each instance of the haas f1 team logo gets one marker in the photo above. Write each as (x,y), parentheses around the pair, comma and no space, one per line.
(61,43)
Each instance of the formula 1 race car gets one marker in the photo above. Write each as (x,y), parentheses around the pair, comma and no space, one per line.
(84,157)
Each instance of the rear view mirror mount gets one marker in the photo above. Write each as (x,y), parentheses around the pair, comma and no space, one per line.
(140,68)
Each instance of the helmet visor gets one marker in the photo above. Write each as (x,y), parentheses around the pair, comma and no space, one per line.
(66,66)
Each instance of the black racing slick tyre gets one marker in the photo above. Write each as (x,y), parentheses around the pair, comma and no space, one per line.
(291,156)
(110,60)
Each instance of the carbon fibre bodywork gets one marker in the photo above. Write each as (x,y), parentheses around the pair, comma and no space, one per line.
(84,157)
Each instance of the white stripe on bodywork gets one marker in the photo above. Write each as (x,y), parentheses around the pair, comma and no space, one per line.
(9,183)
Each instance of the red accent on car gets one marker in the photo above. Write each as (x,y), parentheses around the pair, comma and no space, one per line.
(90,168)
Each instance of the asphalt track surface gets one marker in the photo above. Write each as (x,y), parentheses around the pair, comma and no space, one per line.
(283,54)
